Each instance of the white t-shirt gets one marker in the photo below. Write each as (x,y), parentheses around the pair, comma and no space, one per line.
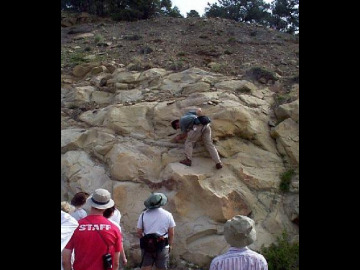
(157,220)
(68,226)
(117,225)
(116,216)
(79,213)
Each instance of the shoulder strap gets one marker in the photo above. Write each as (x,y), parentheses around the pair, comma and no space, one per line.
(99,234)
(142,222)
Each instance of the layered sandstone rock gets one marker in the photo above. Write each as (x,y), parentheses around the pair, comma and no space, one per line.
(116,134)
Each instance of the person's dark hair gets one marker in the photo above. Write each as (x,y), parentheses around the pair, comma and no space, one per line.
(173,123)
(108,212)
(79,198)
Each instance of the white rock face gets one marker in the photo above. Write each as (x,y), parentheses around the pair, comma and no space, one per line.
(118,138)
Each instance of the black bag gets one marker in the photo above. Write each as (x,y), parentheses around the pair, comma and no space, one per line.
(204,120)
(107,261)
(152,242)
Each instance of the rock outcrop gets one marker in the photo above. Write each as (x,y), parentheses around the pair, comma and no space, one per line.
(115,134)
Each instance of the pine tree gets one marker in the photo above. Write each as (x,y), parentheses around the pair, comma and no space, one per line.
(285,15)
(193,13)
(253,11)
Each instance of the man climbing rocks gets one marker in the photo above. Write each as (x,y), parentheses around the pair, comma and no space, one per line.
(193,130)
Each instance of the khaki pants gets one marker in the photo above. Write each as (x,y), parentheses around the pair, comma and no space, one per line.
(203,132)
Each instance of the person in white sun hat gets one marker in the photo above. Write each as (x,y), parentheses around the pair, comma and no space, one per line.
(239,232)
(97,241)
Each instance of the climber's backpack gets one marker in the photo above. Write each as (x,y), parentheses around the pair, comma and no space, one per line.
(203,120)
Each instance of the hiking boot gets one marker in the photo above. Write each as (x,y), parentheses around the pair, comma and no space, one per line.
(186,162)
(219,166)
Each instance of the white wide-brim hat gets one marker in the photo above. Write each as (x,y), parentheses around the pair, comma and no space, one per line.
(100,199)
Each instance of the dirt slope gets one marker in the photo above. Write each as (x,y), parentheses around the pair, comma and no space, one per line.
(215,44)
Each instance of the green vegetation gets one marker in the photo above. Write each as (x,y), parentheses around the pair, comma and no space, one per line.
(253,33)
(281,99)
(181,54)
(138,63)
(175,64)
(98,38)
(203,36)
(146,50)
(72,58)
(216,67)
(260,72)
(286,180)
(193,14)
(244,90)
(124,10)
(231,40)
(173,12)
(282,15)
(132,37)
(282,255)
(77,58)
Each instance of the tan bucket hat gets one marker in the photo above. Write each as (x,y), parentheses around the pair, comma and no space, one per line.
(100,199)
(240,231)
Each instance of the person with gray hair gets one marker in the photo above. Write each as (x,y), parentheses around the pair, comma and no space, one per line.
(239,232)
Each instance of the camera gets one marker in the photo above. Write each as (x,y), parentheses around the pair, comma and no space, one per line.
(107,260)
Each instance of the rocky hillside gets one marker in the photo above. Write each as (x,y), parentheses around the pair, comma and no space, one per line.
(215,44)
(122,85)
